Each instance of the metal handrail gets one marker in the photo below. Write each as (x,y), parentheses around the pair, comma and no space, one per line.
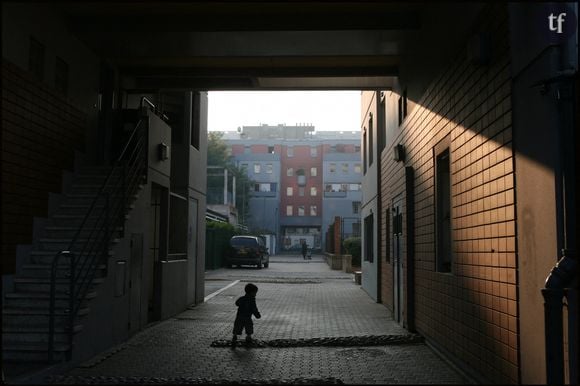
(87,255)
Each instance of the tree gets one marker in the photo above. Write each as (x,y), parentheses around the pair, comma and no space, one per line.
(217,155)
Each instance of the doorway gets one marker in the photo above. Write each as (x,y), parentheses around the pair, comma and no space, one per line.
(397,259)
(157,249)
(135,282)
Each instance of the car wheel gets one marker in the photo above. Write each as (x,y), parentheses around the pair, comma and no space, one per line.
(260,265)
(266,264)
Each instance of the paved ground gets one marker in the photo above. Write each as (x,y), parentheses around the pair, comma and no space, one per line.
(297,299)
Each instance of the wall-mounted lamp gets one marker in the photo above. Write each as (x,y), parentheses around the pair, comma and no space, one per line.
(399,153)
(162,151)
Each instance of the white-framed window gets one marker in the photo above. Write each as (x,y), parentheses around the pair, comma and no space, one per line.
(332,167)
(289,210)
(301,210)
(313,171)
(345,168)
(247,149)
(313,151)
(289,191)
(301,191)
(357,168)
(269,168)
(355,207)
(354,187)
(257,168)
(290,172)
(313,191)
(290,151)
(313,210)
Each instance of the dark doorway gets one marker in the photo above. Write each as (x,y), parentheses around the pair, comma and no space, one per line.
(397,259)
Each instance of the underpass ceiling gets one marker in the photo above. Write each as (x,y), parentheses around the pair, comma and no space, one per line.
(267,44)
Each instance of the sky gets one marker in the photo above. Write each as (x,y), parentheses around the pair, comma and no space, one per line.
(325,110)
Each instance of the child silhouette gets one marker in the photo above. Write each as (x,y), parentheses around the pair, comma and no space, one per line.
(246,308)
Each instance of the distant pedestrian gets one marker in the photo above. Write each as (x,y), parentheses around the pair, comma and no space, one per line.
(304,250)
(246,308)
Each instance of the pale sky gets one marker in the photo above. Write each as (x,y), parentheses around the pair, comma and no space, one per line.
(325,110)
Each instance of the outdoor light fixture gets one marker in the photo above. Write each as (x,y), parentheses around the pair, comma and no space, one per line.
(399,153)
(162,151)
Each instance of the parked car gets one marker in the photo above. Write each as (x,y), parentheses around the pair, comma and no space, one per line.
(248,250)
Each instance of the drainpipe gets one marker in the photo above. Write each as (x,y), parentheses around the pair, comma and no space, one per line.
(562,281)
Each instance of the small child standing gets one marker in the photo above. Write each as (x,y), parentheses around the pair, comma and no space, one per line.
(246,308)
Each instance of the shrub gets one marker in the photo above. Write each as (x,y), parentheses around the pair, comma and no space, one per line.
(352,245)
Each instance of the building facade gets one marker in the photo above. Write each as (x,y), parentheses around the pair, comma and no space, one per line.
(302,180)
(464,198)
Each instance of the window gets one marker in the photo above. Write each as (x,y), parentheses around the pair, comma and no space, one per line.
(357,168)
(289,210)
(290,172)
(271,149)
(313,191)
(313,172)
(443,211)
(244,167)
(354,187)
(402,107)
(333,148)
(371,143)
(365,150)
(265,187)
(313,152)
(332,167)
(357,148)
(301,210)
(301,191)
(289,191)
(290,151)
(356,207)
(257,168)
(36,59)
(269,168)
(345,168)
(333,188)
(381,127)
(247,149)
(313,210)
(61,76)
(369,239)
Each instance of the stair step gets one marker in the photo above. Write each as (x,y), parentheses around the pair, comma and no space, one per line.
(32,352)
(15,317)
(47,257)
(43,296)
(32,284)
(25,335)
(45,270)
(22,311)
(55,244)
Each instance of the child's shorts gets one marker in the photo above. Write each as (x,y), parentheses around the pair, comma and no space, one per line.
(241,324)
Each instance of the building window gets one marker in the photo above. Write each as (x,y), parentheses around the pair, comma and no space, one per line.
(313,210)
(369,239)
(269,168)
(356,207)
(290,151)
(371,141)
(289,210)
(301,210)
(313,152)
(289,191)
(443,212)
(357,168)
(301,191)
(290,172)
(247,149)
(257,168)
(36,59)
(244,167)
(402,107)
(313,172)
(332,148)
(357,148)
(345,168)
(271,149)
(332,167)
(61,76)
(354,187)
(365,150)
(313,191)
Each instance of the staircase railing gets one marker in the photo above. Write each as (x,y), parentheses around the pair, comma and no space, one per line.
(89,248)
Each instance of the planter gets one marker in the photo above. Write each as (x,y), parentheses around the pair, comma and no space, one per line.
(334,261)
(347,263)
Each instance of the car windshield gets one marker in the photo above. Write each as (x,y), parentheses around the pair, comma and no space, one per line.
(243,242)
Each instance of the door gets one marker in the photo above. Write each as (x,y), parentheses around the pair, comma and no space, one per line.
(397,259)
(135,282)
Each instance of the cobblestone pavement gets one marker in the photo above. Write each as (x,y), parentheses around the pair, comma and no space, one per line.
(298,300)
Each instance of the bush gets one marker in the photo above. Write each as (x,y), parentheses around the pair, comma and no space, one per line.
(352,245)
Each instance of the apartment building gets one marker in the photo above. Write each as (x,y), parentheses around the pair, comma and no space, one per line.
(302,180)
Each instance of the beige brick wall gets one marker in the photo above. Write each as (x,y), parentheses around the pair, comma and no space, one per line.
(471,312)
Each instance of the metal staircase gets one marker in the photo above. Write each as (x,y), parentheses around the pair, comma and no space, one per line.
(53,291)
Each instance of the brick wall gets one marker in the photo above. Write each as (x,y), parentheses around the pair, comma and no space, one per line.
(40,132)
(472,312)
